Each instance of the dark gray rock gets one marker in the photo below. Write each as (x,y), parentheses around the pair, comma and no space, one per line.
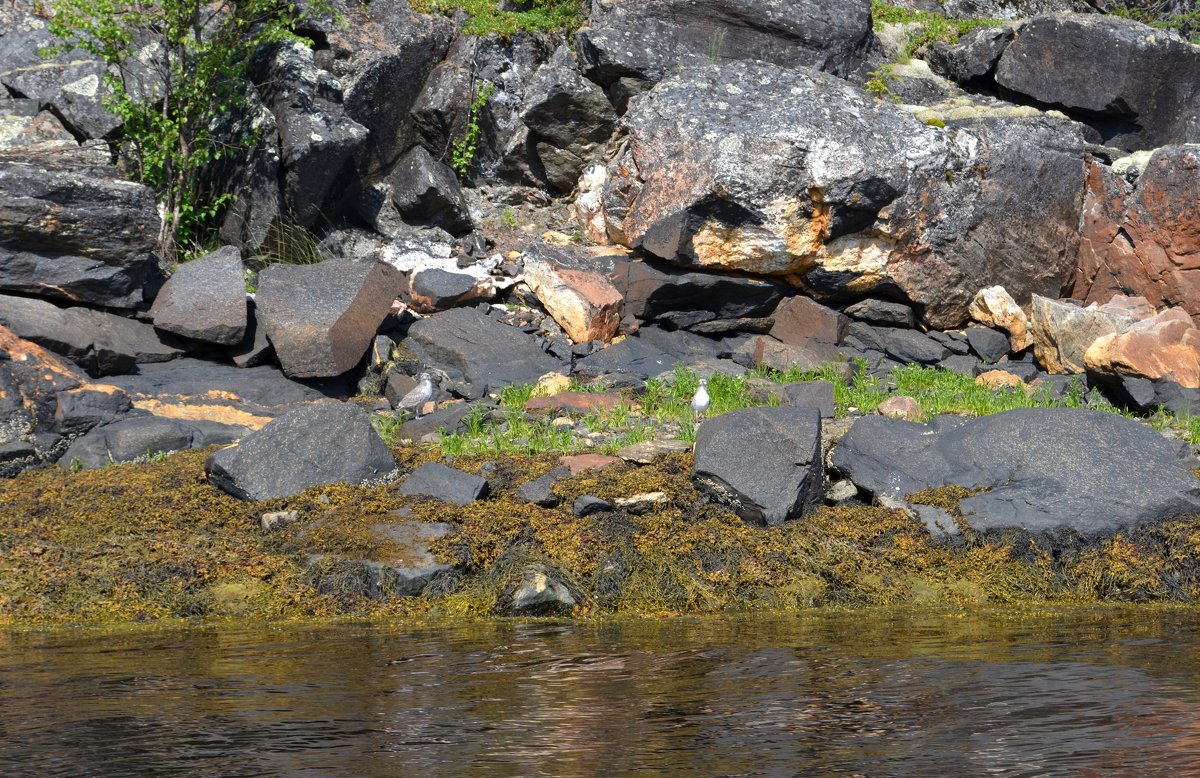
(255,349)
(1026,371)
(684,299)
(437,290)
(318,444)
(88,406)
(83,234)
(205,299)
(542,591)
(427,192)
(646,39)
(101,343)
(882,313)
(322,318)
(479,351)
(963,365)
(138,438)
(988,343)
(973,58)
(1044,469)
(409,565)
(905,346)
(31,380)
(70,83)
(765,463)
(540,491)
(257,210)
(587,505)
(954,342)
(809,394)
(451,419)
(316,136)
(445,484)
(1135,84)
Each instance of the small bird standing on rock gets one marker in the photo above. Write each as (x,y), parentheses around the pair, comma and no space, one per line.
(701,399)
(419,395)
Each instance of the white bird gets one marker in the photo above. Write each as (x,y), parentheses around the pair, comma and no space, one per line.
(701,399)
(418,396)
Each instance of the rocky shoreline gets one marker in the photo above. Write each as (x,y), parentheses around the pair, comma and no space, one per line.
(947,328)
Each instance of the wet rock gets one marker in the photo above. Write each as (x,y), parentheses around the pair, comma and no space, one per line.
(540,491)
(205,299)
(882,313)
(587,505)
(445,484)
(101,343)
(1143,236)
(427,192)
(809,394)
(988,343)
(77,233)
(684,299)
(317,444)
(1063,331)
(644,40)
(479,351)
(140,438)
(542,592)
(316,136)
(995,307)
(764,463)
(322,318)
(583,302)
(1164,346)
(1135,84)
(1042,469)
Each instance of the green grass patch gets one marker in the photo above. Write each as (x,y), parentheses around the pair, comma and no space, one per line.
(933,26)
(485,17)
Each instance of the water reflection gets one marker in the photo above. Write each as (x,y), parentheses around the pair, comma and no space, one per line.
(846,694)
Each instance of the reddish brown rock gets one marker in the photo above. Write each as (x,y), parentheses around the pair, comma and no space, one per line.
(1164,347)
(1143,237)
(1063,331)
(999,379)
(584,303)
(769,352)
(802,321)
(576,402)
(577,463)
(901,407)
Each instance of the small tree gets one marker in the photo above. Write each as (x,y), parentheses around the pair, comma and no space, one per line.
(177,68)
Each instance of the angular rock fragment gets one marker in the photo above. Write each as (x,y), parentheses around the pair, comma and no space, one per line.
(1166,346)
(584,303)
(426,192)
(205,299)
(1063,331)
(445,484)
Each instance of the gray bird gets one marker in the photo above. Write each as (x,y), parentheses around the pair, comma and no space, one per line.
(418,396)
(701,399)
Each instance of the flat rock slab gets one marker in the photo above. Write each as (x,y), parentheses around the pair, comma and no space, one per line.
(578,463)
(408,565)
(1043,469)
(576,402)
(317,444)
(809,394)
(142,437)
(764,463)
(191,389)
(483,353)
(322,318)
(205,299)
(540,491)
(647,452)
(445,484)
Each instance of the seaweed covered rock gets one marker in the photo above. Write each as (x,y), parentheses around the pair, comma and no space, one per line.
(318,444)
(439,482)
(142,437)
(764,463)
(1039,469)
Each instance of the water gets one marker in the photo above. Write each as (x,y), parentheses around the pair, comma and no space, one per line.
(1083,694)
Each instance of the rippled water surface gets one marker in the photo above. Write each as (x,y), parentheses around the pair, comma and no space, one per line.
(855,694)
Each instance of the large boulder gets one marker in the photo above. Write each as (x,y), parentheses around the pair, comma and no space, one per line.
(316,136)
(795,173)
(1135,84)
(70,83)
(425,191)
(1040,469)
(322,318)
(318,444)
(480,352)
(764,463)
(101,343)
(79,233)
(645,39)
(583,301)
(1143,236)
(254,174)
(205,299)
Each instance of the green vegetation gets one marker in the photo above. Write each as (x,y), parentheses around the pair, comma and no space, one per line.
(1163,14)
(931,26)
(880,83)
(177,69)
(462,150)
(486,18)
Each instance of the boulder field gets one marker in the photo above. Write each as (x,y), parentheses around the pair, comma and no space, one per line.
(951,294)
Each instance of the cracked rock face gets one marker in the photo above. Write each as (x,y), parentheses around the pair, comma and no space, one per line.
(753,168)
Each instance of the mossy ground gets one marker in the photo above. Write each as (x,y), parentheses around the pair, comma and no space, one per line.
(484,17)
(154,541)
